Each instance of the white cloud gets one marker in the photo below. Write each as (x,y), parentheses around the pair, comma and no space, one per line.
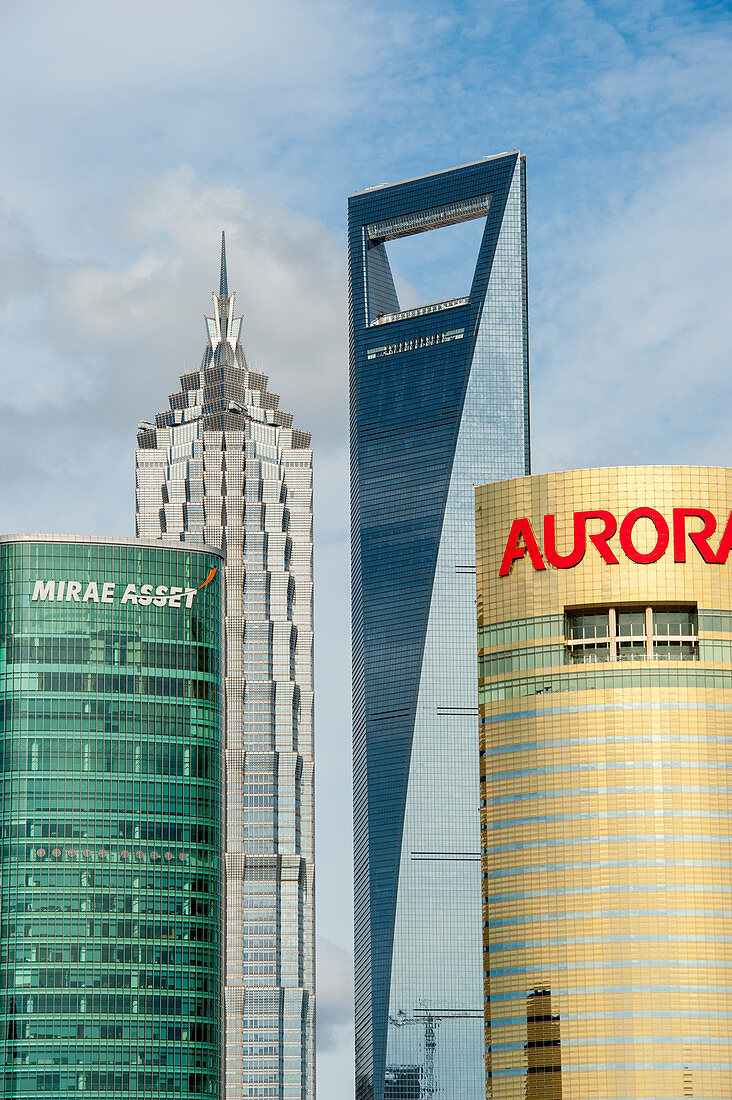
(109,249)
(129,48)
(632,339)
(335,996)
(88,350)
(145,317)
(22,269)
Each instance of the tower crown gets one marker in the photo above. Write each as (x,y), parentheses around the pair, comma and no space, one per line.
(223,280)
(223,394)
(223,327)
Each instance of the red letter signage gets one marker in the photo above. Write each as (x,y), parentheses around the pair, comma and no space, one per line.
(699,538)
(662,535)
(564,561)
(726,543)
(521,529)
(522,539)
(599,539)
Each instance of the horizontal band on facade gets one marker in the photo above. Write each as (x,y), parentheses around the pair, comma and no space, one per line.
(680,1014)
(627,676)
(543,627)
(623,838)
(634,937)
(605,964)
(105,541)
(468,712)
(610,914)
(608,765)
(452,857)
(598,864)
(595,888)
(622,1040)
(605,815)
(586,1067)
(620,705)
(600,992)
(571,742)
(578,792)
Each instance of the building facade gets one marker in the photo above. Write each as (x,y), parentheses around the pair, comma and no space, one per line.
(605,634)
(439,401)
(225,466)
(111,933)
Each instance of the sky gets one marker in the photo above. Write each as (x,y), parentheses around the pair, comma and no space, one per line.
(132,133)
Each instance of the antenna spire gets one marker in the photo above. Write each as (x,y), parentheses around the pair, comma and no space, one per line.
(223,327)
(223,280)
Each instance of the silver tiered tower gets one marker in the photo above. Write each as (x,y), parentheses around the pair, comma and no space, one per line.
(225,466)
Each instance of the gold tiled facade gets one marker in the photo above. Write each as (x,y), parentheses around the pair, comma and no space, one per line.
(606,749)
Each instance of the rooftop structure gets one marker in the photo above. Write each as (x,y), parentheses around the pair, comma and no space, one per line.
(224,465)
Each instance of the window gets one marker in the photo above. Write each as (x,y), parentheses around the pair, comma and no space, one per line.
(588,636)
(632,634)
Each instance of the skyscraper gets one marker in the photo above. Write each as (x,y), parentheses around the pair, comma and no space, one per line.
(224,465)
(439,402)
(605,635)
(112,719)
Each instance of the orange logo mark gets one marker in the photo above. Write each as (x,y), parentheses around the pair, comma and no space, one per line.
(209,578)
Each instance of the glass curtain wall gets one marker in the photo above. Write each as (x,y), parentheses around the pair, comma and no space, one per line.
(439,401)
(110,943)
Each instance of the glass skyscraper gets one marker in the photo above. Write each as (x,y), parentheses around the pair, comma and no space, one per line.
(605,635)
(111,712)
(224,465)
(439,402)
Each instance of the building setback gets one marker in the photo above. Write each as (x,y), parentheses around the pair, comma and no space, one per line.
(605,634)
(111,703)
(224,465)
(439,402)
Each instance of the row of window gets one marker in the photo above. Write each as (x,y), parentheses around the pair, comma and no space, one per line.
(56,978)
(55,927)
(130,829)
(110,649)
(144,954)
(102,903)
(555,626)
(520,660)
(78,1079)
(172,718)
(606,680)
(106,1004)
(61,754)
(631,634)
(108,683)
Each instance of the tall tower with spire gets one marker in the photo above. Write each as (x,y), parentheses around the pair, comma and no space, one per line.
(225,466)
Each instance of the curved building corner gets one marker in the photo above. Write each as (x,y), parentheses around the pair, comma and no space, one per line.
(110,757)
(605,652)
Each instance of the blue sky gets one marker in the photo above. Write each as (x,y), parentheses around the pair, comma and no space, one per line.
(132,133)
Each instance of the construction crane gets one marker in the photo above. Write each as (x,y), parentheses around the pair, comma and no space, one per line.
(431,1022)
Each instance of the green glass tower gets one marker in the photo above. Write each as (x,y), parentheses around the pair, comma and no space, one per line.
(110,758)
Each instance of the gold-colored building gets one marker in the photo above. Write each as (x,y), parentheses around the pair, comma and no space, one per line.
(605,635)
